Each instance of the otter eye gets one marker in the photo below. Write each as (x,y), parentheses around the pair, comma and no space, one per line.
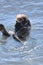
(19,19)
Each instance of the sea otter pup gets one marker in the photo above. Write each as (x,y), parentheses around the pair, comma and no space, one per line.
(22,26)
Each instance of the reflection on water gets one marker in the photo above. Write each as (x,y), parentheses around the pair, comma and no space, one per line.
(29,52)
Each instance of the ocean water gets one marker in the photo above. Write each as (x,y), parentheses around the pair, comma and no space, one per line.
(29,52)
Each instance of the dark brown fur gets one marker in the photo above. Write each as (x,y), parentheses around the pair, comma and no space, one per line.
(22,26)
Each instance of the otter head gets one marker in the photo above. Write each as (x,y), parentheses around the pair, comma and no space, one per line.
(22,19)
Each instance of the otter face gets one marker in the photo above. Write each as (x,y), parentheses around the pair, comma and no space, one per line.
(1,27)
(22,19)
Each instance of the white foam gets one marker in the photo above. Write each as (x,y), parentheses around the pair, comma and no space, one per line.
(11,32)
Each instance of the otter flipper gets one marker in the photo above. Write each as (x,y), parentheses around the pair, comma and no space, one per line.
(16,38)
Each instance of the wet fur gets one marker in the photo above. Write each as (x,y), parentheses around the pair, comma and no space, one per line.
(22,26)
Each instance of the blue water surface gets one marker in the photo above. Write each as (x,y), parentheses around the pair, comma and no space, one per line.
(29,52)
